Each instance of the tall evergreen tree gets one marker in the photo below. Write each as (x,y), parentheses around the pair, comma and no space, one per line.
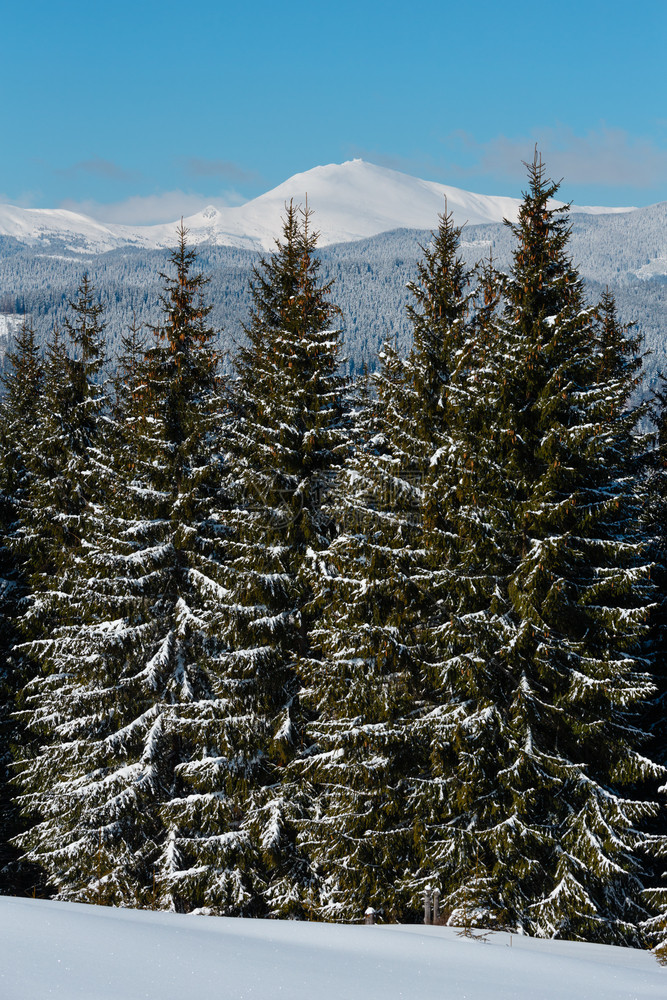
(460,562)
(656,529)
(544,671)
(286,438)
(65,457)
(23,386)
(130,782)
(368,683)
(59,442)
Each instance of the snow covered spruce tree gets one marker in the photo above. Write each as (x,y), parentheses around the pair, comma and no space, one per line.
(367,681)
(656,528)
(60,474)
(286,437)
(544,671)
(141,737)
(23,384)
(63,459)
(459,563)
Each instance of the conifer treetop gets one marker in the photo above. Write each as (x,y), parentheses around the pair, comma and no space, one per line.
(85,327)
(286,292)
(24,379)
(542,272)
(182,363)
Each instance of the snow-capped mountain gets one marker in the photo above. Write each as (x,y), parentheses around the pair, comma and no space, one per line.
(351,200)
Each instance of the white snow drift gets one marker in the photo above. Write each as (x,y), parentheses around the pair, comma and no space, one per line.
(67,951)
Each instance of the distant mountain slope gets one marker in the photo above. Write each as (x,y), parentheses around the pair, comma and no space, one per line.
(353,200)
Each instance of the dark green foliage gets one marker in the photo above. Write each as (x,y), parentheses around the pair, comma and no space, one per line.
(130,776)
(368,685)
(23,385)
(541,658)
(286,438)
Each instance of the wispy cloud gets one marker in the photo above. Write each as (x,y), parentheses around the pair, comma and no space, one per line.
(27,199)
(98,167)
(605,157)
(166,206)
(224,169)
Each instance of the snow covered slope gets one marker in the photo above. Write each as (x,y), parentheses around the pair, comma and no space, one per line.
(9,327)
(46,225)
(352,201)
(67,951)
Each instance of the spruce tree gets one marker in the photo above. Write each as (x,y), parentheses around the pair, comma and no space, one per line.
(132,778)
(59,463)
(459,561)
(64,459)
(656,529)
(368,684)
(541,656)
(285,441)
(23,384)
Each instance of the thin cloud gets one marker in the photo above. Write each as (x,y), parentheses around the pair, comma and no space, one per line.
(145,210)
(605,157)
(27,199)
(98,167)
(225,169)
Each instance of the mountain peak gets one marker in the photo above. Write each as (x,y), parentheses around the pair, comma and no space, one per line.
(352,200)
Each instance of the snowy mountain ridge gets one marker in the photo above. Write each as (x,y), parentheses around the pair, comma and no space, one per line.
(352,201)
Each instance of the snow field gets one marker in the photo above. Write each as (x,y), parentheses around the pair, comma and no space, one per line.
(70,951)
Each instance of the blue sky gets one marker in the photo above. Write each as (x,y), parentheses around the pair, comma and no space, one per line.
(141,111)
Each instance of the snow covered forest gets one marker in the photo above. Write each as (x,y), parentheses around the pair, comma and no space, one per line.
(278,640)
(624,252)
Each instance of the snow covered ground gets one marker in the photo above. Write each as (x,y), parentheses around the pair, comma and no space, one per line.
(73,952)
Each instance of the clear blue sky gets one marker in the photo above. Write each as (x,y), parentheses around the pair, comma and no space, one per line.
(142,110)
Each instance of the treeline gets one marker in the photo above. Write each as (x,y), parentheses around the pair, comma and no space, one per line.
(285,644)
